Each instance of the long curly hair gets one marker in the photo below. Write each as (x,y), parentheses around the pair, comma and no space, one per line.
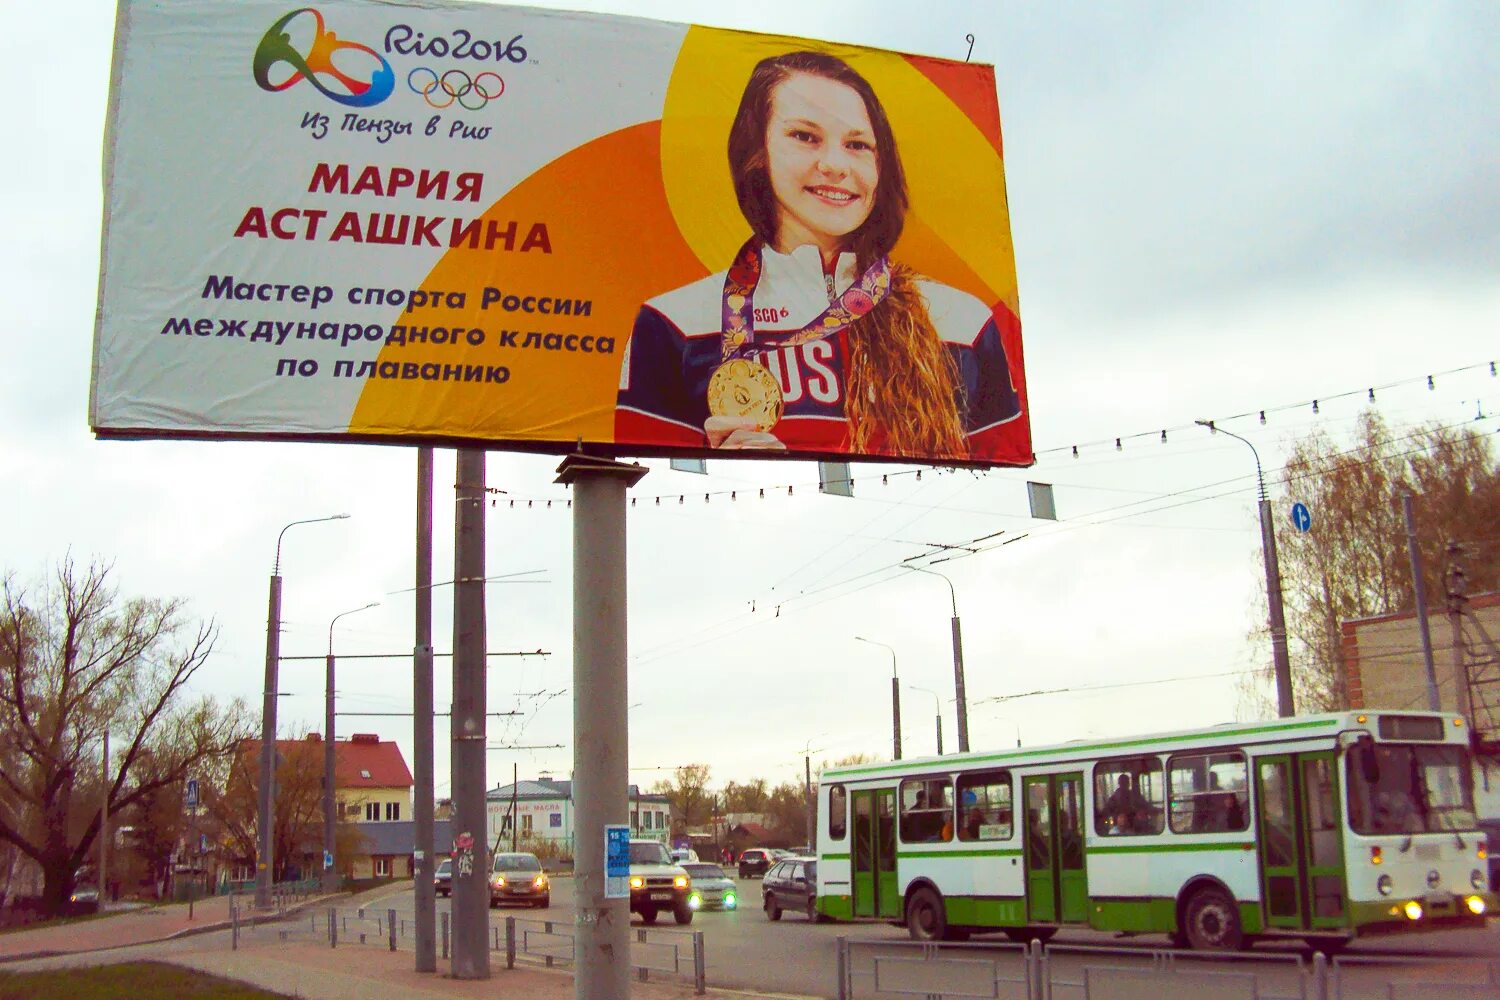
(902,390)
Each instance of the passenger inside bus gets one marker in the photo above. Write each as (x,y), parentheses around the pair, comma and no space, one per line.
(1127,809)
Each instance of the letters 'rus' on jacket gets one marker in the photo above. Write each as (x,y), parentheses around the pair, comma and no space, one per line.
(676,345)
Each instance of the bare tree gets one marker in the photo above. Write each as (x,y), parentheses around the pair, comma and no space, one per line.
(688,792)
(1353,563)
(231,801)
(77,660)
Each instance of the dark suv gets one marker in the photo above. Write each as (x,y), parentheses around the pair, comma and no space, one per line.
(755,861)
(791,884)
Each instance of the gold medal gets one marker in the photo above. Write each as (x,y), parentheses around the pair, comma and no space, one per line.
(743,388)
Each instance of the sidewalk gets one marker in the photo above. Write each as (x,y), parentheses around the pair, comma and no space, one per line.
(319,973)
(130,927)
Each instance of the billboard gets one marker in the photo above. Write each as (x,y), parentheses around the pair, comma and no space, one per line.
(523,228)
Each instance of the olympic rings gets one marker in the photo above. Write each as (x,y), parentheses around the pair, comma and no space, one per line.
(470,93)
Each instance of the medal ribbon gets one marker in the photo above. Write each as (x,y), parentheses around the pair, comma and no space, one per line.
(739,303)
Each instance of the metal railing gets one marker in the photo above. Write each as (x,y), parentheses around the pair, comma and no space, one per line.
(888,968)
(679,955)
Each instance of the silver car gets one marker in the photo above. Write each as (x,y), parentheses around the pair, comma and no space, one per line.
(711,888)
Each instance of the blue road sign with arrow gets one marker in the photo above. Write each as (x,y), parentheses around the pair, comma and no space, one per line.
(1301,517)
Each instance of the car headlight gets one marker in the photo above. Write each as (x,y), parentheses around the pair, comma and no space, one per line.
(1475,904)
(540,882)
(729,900)
(1476,879)
(499,881)
(1383,885)
(637,882)
(695,901)
(1413,910)
(680,882)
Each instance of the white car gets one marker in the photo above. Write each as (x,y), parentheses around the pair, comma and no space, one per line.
(712,889)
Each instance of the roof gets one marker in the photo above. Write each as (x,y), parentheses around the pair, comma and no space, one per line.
(548,788)
(401,837)
(364,760)
(1296,727)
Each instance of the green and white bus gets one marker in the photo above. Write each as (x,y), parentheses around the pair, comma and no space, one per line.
(1320,827)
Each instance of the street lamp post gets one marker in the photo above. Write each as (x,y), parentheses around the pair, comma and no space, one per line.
(330,874)
(895,696)
(1285,705)
(264,867)
(959,693)
(937,713)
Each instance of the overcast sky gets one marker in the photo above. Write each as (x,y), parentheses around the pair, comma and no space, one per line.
(1217,209)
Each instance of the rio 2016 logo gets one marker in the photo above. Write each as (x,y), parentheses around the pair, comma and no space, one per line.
(316,63)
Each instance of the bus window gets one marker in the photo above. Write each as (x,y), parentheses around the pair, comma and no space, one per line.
(837,812)
(1128,796)
(1208,792)
(926,810)
(984,806)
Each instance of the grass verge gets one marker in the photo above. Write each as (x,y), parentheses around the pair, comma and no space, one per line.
(127,981)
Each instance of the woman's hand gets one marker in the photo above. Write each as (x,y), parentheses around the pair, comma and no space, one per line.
(740,433)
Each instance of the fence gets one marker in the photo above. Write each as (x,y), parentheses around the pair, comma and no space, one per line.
(888,968)
(679,955)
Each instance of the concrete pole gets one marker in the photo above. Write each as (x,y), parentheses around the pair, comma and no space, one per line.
(807,798)
(958,684)
(1419,593)
(264,870)
(330,881)
(471,889)
(421,723)
(600,718)
(1285,704)
(960,695)
(1456,601)
(330,774)
(104,829)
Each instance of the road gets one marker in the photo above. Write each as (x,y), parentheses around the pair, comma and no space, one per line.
(744,950)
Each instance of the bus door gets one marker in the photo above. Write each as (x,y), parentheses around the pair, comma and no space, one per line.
(1056,882)
(1301,850)
(874,861)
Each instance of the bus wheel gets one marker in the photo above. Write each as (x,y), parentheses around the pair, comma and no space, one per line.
(1025,935)
(1213,921)
(925,920)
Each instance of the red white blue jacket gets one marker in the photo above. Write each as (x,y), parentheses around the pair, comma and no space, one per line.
(676,345)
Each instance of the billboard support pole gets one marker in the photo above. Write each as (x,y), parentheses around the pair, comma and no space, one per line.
(422,756)
(600,726)
(471,886)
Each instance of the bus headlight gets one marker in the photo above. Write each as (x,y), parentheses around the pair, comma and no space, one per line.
(1475,904)
(1413,910)
(1476,879)
(1383,885)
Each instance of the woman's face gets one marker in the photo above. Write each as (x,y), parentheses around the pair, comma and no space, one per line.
(821,158)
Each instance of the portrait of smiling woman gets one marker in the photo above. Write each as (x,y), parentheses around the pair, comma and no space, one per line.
(813,339)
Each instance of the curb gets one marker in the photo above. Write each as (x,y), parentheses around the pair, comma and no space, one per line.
(186,932)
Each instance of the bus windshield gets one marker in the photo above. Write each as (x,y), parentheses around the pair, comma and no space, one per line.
(1400,788)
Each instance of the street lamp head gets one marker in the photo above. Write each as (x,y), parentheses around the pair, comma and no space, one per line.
(1206,423)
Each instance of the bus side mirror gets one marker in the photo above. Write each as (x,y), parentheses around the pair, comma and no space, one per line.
(1369,766)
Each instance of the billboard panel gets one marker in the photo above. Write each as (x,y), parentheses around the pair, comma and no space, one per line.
(529,228)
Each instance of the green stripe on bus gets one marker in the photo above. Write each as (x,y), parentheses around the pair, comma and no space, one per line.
(836,857)
(980,853)
(1216,736)
(1166,848)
